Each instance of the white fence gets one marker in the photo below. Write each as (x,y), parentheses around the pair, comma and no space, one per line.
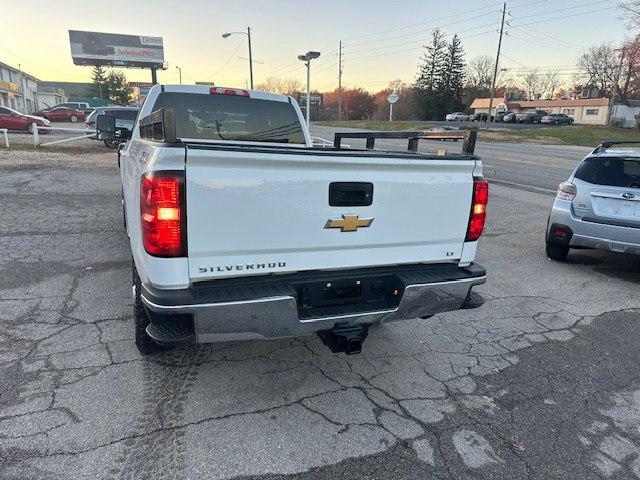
(38,143)
(5,132)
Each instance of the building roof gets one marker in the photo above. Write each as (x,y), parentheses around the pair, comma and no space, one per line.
(579,102)
(2,64)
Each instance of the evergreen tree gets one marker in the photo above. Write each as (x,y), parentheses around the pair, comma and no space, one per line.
(99,80)
(453,80)
(118,90)
(428,85)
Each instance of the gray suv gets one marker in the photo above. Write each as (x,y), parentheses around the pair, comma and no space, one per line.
(125,120)
(599,205)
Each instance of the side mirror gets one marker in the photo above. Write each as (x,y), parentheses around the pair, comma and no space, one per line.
(106,127)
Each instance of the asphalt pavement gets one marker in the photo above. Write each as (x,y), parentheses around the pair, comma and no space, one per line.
(521,165)
(540,383)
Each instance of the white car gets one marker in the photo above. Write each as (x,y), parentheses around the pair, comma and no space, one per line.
(241,229)
(457,117)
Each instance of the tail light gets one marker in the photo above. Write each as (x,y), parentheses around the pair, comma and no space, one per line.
(478,209)
(89,122)
(567,191)
(229,91)
(163,214)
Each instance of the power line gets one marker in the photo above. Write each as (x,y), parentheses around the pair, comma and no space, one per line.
(228,60)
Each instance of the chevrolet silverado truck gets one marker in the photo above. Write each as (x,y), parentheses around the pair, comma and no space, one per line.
(240,228)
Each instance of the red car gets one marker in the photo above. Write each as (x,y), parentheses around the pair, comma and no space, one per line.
(62,114)
(13,120)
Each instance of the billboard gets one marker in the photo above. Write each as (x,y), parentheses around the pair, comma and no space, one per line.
(94,48)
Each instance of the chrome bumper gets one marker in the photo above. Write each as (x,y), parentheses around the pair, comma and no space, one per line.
(277,317)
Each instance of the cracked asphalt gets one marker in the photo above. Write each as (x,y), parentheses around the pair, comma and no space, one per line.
(540,383)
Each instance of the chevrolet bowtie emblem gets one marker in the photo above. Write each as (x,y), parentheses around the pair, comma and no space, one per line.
(349,223)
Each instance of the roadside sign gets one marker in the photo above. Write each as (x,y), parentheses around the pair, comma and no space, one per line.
(97,48)
(393,98)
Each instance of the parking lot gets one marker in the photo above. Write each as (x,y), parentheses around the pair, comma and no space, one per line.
(541,382)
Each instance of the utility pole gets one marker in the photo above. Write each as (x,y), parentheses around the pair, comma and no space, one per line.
(495,69)
(180,74)
(250,57)
(340,80)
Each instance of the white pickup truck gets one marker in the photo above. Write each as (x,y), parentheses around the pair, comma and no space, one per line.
(241,228)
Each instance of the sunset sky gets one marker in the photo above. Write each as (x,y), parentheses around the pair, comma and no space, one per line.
(382,39)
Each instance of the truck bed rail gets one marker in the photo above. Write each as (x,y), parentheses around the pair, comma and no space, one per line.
(468,147)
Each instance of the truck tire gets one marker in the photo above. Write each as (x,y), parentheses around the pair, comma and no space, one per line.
(557,252)
(145,344)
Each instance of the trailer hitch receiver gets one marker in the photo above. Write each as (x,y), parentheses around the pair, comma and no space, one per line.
(345,339)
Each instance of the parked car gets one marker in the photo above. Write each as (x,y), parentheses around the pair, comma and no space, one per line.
(480,117)
(82,106)
(457,117)
(14,120)
(599,205)
(557,119)
(500,116)
(531,116)
(125,119)
(62,114)
(195,181)
(445,128)
(509,117)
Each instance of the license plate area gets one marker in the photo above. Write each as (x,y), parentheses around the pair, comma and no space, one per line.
(616,208)
(335,296)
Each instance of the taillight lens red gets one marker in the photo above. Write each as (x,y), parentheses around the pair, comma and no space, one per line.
(90,122)
(162,214)
(478,209)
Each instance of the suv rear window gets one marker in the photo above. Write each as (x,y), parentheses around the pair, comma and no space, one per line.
(232,117)
(612,171)
(122,114)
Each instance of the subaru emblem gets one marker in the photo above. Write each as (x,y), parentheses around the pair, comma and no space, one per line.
(628,196)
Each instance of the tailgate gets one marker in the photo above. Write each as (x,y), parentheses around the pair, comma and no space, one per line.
(256,212)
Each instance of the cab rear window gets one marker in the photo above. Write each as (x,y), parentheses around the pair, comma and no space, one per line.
(231,117)
(611,171)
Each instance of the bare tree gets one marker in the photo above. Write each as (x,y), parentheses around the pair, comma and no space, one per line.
(552,82)
(533,83)
(480,74)
(599,66)
(280,85)
(630,12)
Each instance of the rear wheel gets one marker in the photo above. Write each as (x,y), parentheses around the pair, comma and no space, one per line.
(145,344)
(30,128)
(557,252)
(73,119)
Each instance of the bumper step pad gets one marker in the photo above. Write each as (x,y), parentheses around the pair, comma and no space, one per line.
(173,331)
(473,300)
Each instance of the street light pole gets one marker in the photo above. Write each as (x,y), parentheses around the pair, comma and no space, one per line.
(248,34)
(306,58)
(180,74)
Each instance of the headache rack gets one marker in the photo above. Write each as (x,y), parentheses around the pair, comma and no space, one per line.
(468,137)
(159,126)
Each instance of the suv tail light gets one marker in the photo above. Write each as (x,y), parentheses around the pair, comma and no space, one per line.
(163,214)
(478,209)
(89,122)
(567,191)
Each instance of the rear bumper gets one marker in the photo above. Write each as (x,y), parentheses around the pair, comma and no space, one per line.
(599,236)
(239,312)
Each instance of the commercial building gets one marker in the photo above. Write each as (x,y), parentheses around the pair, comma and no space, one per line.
(17,89)
(23,92)
(586,111)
